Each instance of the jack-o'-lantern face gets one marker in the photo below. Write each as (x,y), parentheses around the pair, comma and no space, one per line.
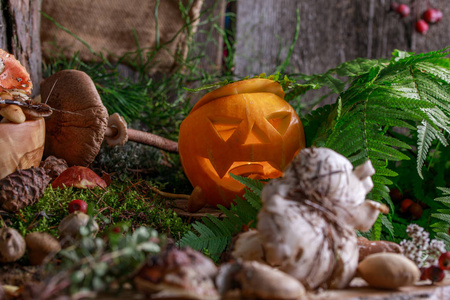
(245,128)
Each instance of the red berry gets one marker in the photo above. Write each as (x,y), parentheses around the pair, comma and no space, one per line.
(423,273)
(77,205)
(403,10)
(394,6)
(422,27)
(395,195)
(116,229)
(434,273)
(406,203)
(438,16)
(415,210)
(432,16)
(444,261)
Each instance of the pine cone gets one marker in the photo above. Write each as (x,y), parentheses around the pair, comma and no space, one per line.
(54,166)
(22,188)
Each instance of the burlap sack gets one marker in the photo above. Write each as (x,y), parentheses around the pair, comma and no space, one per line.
(107,26)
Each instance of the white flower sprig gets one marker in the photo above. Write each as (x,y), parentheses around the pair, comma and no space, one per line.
(420,249)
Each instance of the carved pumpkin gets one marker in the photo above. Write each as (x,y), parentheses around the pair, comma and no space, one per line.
(244,128)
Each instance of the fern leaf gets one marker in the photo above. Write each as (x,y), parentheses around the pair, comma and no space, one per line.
(435,68)
(425,136)
(387,140)
(445,190)
(232,217)
(254,185)
(376,229)
(388,224)
(442,216)
(254,199)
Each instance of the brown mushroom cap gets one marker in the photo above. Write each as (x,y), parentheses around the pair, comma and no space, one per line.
(41,246)
(77,126)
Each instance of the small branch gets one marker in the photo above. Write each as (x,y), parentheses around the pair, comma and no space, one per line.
(169,195)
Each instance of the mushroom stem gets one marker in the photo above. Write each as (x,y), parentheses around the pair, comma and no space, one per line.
(152,140)
(119,134)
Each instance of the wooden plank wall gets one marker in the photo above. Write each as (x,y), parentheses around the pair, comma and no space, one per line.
(331,32)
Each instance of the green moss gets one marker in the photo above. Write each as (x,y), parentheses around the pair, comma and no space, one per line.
(132,203)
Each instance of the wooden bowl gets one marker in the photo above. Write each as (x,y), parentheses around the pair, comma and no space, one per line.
(21,145)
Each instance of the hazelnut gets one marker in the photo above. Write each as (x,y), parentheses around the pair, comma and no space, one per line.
(41,247)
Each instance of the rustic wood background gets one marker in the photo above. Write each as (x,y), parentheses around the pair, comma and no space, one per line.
(19,35)
(331,32)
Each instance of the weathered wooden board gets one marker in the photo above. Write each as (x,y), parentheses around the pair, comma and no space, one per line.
(331,32)
(422,291)
(19,35)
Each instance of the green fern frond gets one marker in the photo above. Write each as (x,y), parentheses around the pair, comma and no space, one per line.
(253,199)
(408,91)
(426,134)
(387,224)
(214,234)
(255,186)
(377,228)
(444,216)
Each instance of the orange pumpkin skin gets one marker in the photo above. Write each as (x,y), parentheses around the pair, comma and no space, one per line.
(244,128)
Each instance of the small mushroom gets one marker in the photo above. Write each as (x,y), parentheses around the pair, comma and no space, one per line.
(41,247)
(12,245)
(14,76)
(69,227)
(79,177)
(178,273)
(116,132)
(79,123)
(257,280)
(13,113)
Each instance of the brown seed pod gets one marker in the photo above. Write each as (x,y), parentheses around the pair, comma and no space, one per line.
(41,247)
(388,270)
(12,245)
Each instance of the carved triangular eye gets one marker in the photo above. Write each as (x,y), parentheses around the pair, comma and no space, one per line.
(256,136)
(225,127)
(280,121)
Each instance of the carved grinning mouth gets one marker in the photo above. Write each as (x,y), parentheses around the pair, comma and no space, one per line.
(248,170)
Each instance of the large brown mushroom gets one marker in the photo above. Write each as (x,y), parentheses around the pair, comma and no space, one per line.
(80,121)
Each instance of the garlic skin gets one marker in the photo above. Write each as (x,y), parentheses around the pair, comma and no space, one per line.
(308,219)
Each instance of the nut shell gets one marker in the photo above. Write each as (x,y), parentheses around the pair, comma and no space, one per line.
(41,246)
(12,245)
(388,271)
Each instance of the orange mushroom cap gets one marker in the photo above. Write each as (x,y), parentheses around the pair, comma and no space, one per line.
(12,74)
